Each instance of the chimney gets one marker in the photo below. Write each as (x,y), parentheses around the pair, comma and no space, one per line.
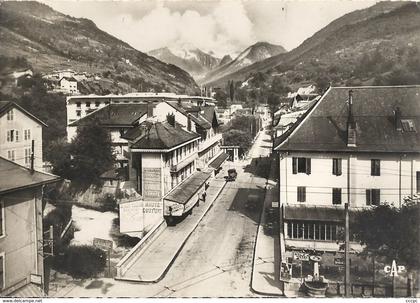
(397,119)
(149,109)
(351,123)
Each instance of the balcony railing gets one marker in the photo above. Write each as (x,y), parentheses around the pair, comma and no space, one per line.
(209,142)
(184,162)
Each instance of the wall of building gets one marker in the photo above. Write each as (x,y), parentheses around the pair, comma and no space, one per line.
(163,109)
(394,185)
(21,122)
(23,230)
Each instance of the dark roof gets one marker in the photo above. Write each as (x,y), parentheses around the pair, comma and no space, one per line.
(324,126)
(219,160)
(316,213)
(202,116)
(120,173)
(5,106)
(187,189)
(15,177)
(162,135)
(114,115)
(68,79)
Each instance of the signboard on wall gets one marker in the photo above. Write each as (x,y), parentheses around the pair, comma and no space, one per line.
(152,183)
(131,216)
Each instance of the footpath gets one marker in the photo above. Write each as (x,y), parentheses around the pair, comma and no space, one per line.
(152,264)
(265,271)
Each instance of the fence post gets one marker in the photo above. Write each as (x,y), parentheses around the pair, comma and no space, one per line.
(410,285)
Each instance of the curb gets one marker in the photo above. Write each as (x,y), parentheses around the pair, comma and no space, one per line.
(255,245)
(162,275)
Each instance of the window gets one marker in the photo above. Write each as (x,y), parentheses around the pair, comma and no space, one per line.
(2,271)
(11,155)
(87,104)
(375,167)
(78,104)
(10,115)
(336,196)
(28,156)
(301,165)
(306,230)
(97,104)
(16,135)
(10,135)
(418,181)
(301,194)
(27,134)
(336,167)
(373,196)
(78,113)
(2,222)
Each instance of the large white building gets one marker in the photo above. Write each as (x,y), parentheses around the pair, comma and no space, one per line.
(357,145)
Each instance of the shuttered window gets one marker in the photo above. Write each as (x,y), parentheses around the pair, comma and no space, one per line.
(336,196)
(301,194)
(2,223)
(418,181)
(301,165)
(375,167)
(2,271)
(373,196)
(336,167)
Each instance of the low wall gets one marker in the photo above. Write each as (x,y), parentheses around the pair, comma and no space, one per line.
(127,261)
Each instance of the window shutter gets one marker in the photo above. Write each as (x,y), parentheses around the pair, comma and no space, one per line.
(308,166)
(376,196)
(368,197)
(294,165)
(372,167)
(338,167)
(334,167)
(378,167)
(304,194)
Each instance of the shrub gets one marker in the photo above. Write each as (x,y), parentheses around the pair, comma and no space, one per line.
(81,262)
(107,202)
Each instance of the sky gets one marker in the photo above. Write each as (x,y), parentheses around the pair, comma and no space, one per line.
(219,27)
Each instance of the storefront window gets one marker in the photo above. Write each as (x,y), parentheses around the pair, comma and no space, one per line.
(307,230)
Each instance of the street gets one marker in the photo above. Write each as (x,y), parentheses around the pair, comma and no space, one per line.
(216,260)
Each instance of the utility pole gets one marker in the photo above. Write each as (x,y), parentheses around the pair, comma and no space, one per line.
(347,236)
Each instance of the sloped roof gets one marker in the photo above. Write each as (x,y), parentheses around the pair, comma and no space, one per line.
(5,106)
(15,177)
(164,136)
(72,79)
(202,116)
(324,127)
(316,213)
(187,189)
(114,115)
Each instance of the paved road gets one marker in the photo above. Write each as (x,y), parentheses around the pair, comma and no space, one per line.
(216,261)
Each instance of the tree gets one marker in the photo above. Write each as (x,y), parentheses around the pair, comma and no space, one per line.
(273,102)
(390,232)
(221,98)
(92,152)
(239,138)
(231,91)
(279,86)
(59,157)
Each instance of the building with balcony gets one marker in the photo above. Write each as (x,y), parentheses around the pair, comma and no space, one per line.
(21,230)
(200,119)
(356,145)
(18,129)
(117,119)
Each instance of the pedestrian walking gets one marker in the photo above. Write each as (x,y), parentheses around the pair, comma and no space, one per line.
(204,196)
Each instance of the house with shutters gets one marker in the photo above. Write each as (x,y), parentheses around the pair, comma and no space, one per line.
(356,145)
(20,135)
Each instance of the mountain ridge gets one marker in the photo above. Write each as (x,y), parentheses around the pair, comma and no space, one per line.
(51,40)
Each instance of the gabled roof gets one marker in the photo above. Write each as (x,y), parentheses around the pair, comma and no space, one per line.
(15,177)
(72,79)
(201,115)
(163,136)
(114,115)
(5,106)
(324,127)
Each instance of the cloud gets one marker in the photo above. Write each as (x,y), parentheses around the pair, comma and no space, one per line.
(224,29)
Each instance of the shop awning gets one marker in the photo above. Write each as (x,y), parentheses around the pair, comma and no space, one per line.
(216,163)
(28,291)
(315,213)
(187,189)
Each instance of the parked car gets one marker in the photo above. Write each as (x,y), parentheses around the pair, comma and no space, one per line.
(232,174)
